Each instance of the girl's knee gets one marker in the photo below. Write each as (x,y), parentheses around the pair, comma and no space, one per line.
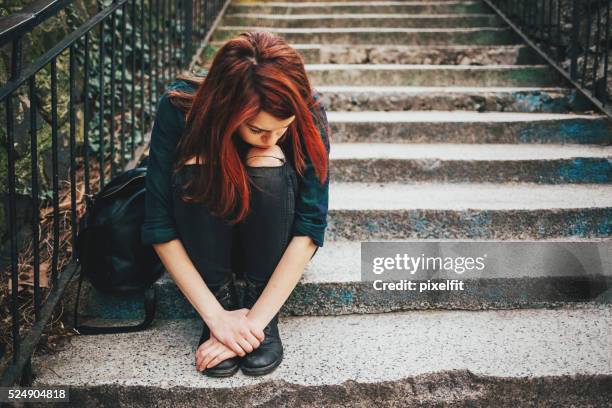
(265,157)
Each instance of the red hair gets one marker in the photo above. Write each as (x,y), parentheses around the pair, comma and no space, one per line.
(253,72)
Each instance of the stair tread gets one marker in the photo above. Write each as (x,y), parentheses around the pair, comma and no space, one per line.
(437,89)
(304,4)
(467,152)
(315,16)
(400,46)
(450,116)
(381,67)
(364,29)
(363,348)
(457,197)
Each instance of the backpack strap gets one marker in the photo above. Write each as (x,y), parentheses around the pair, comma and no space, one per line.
(150,298)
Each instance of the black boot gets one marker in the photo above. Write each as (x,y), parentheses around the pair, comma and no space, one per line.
(269,354)
(228,298)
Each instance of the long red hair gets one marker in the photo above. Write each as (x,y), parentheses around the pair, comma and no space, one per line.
(253,72)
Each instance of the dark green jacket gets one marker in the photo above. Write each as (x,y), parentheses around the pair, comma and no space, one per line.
(311,202)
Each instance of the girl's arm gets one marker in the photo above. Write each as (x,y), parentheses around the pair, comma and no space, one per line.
(285,277)
(227,326)
(282,282)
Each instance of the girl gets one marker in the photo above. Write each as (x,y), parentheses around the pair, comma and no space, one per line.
(238,181)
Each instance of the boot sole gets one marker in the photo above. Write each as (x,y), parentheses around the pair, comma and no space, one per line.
(262,370)
(225,373)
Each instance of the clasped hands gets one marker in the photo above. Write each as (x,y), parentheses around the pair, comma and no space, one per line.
(231,334)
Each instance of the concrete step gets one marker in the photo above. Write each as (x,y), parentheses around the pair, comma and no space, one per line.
(404,54)
(353,1)
(468,127)
(458,163)
(382,35)
(398,20)
(372,211)
(367,7)
(433,75)
(480,99)
(493,358)
(332,285)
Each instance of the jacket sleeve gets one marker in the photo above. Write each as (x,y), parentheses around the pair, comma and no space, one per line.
(313,198)
(158,225)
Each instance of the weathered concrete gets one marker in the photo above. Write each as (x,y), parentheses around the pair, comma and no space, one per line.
(480,99)
(365,224)
(361,20)
(402,162)
(432,7)
(443,196)
(405,54)
(332,285)
(477,152)
(352,1)
(433,75)
(431,54)
(468,127)
(431,358)
(366,211)
(365,35)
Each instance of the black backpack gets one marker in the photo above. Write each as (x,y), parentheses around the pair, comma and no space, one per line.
(109,248)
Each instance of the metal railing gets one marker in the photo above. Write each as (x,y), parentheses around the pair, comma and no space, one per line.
(572,35)
(118,61)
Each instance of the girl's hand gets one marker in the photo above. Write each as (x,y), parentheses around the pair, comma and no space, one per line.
(212,352)
(234,330)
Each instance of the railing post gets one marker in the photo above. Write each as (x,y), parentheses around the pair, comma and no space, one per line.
(188,40)
(561,52)
(574,40)
(604,96)
(11,221)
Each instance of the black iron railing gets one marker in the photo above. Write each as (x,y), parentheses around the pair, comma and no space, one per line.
(117,62)
(572,35)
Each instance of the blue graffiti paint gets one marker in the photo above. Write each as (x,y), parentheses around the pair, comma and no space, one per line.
(605,227)
(417,223)
(371,226)
(585,170)
(542,232)
(478,224)
(346,297)
(538,101)
(578,224)
(586,131)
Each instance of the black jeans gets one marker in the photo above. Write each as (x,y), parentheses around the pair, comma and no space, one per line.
(251,248)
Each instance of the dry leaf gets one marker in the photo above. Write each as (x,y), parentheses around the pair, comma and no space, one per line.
(26,278)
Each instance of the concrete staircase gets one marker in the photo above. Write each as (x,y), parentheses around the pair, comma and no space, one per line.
(444,127)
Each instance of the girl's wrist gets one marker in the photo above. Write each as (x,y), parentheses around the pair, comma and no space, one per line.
(256,319)
(210,314)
